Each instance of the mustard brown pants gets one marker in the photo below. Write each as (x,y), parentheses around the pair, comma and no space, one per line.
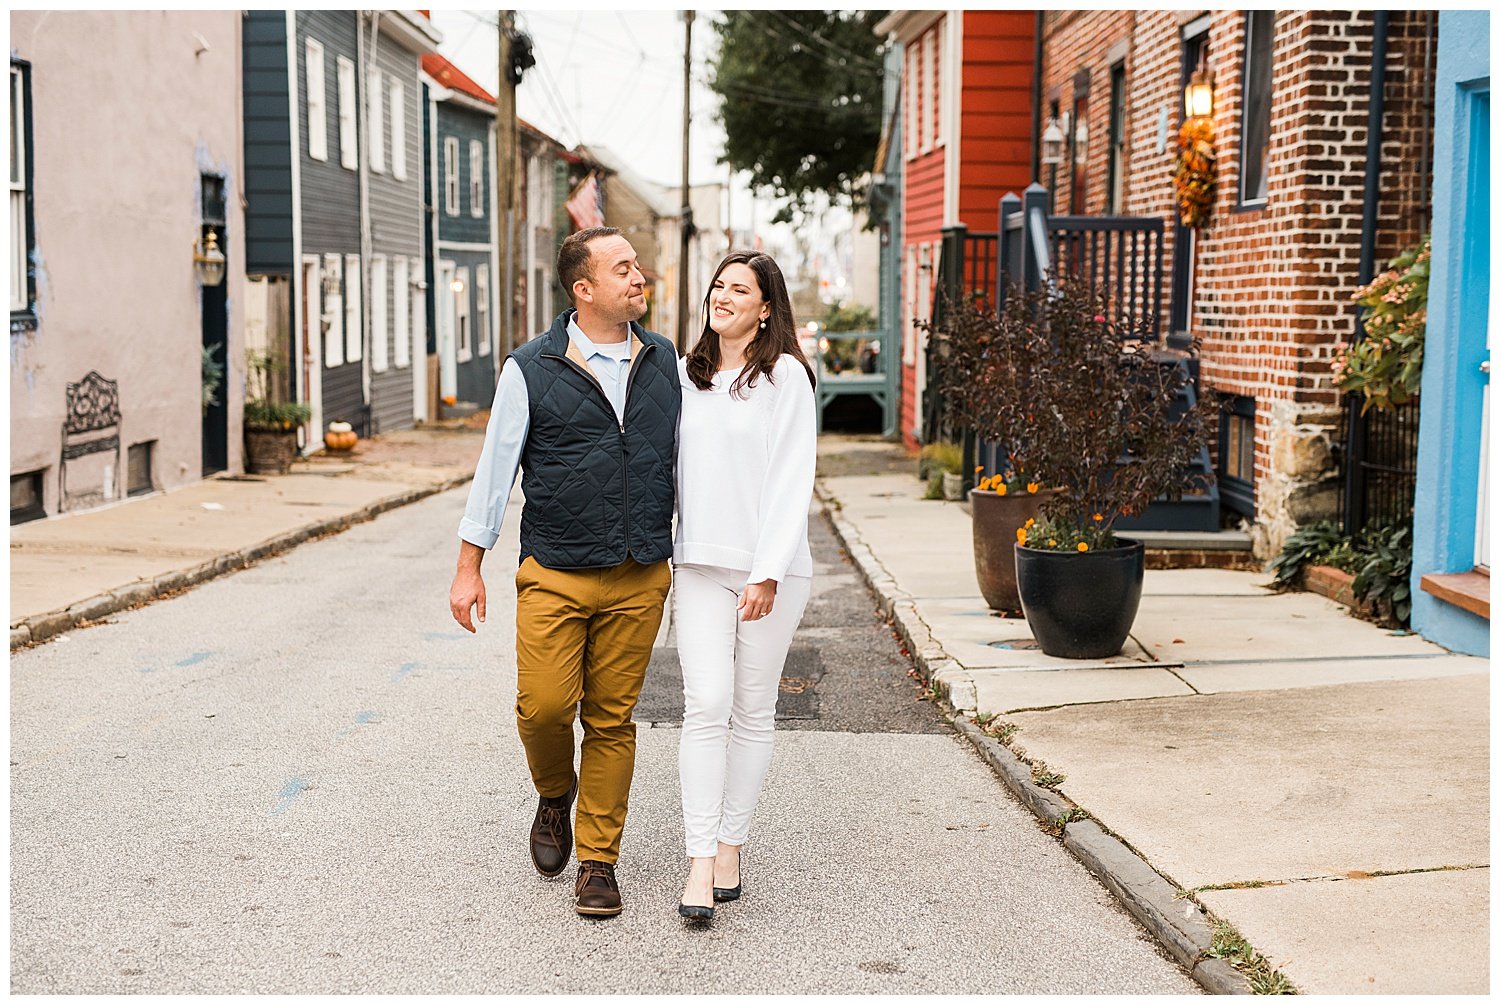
(583,639)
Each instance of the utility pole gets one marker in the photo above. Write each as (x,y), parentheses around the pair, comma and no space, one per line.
(687,201)
(506,149)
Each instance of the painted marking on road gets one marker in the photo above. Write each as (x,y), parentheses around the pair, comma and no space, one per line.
(401,674)
(444,636)
(289,793)
(195,658)
(360,719)
(408,668)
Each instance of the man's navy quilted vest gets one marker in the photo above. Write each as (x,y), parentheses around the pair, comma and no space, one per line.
(597,492)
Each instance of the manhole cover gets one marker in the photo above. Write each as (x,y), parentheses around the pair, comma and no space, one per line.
(1016,644)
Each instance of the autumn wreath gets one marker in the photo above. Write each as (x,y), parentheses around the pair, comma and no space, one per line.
(1194,179)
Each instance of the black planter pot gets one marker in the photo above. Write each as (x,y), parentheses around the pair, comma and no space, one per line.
(1080,605)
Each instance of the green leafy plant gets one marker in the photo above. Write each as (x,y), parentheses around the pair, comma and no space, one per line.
(1386,365)
(213,375)
(1314,544)
(1385,577)
(944,457)
(261,411)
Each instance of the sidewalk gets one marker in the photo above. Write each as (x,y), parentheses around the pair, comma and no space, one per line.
(85,566)
(1318,783)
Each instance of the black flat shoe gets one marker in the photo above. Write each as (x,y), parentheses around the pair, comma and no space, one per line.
(695,913)
(723,893)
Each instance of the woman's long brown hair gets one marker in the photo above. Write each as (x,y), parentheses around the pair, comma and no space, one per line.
(777,337)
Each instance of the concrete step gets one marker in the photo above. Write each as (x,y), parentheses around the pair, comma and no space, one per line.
(1191,540)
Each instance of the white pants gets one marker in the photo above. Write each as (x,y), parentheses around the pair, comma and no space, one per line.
(730,670)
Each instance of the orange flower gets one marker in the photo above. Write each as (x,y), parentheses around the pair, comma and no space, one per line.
(1052,541)
(978,468)
(1032,487)
(1020,535)
(1000,488)
(1098,517)
(1030,522)
(1083,546)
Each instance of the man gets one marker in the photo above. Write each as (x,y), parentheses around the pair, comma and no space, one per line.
(588,413)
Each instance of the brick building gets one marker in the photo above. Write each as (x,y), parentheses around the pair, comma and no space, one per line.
(1266,281)
(966,140)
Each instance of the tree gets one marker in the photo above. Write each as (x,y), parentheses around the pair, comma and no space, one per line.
(801,101)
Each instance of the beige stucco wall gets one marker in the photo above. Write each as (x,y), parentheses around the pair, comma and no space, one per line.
(127,112)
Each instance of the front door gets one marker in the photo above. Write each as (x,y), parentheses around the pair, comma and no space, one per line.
(447,333)
(310,334)
(215,324)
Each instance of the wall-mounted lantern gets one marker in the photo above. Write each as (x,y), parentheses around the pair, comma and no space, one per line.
(1198,96)
(458,286)
(1052,144)
(209,260)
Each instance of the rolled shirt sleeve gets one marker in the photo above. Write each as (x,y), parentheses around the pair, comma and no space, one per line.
(504,438)
(793,460)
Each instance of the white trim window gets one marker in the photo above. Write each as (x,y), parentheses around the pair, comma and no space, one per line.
(476,178)
(482,309)
(376,95)
(463,334)
(20,182)
(354,341)
(1255,116)
(348,130)
(909,109)
(398,130)
(317,101)
(929,92)
(333,310)
(450,175)
(380,318)
(401,296)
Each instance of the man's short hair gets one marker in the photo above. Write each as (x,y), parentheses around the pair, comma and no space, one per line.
(574,260)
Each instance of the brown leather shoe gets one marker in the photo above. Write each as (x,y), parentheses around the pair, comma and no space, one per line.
(552,834)
(598,893)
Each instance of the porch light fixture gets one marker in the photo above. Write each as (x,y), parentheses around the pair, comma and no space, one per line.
(1198,96)
(1052,144)
(1081,142)
(209,261)
(458,286)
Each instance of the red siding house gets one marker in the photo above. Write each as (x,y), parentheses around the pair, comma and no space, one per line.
(966,102)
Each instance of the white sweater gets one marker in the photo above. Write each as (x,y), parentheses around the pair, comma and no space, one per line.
(745,470)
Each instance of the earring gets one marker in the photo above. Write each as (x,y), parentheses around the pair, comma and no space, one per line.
(763,324)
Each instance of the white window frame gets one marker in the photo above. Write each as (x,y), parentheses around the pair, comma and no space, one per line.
(376,95)
(463,330)
(450,175)
(380,318)
(476,178)
(317,101)
(354,342)
(929,93)
(20,244)
(482,308)
(333,312)
(398,130)
(401,308)
(418,313)
(909,111)
(348,128)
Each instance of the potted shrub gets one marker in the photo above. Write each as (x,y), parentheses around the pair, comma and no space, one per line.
(945,465)
(270,426)
(1099,421)
(980,384)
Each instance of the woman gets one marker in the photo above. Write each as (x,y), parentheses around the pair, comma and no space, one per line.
(746,453)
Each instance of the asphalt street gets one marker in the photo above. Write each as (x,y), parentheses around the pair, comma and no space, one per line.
(305,778)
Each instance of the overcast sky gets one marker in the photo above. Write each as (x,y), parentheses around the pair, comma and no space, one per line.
(605,77)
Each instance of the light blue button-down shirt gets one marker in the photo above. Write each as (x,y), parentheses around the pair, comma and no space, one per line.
(510,420)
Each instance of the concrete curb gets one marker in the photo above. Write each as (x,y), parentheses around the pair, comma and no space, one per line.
(39,628)
(1178,924)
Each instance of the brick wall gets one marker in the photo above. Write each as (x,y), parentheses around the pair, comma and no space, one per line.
(1272,284)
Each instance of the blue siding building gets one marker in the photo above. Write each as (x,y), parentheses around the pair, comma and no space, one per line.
(1450,560)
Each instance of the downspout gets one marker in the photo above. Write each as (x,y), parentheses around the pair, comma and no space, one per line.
(1036,99)
(1354,480)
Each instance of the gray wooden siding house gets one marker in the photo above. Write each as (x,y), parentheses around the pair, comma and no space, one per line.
(464,289)
(334,221)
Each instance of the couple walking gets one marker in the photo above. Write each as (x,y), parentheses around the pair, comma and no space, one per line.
(614,435)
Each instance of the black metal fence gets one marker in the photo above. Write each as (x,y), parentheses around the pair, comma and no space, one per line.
(1380,464)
